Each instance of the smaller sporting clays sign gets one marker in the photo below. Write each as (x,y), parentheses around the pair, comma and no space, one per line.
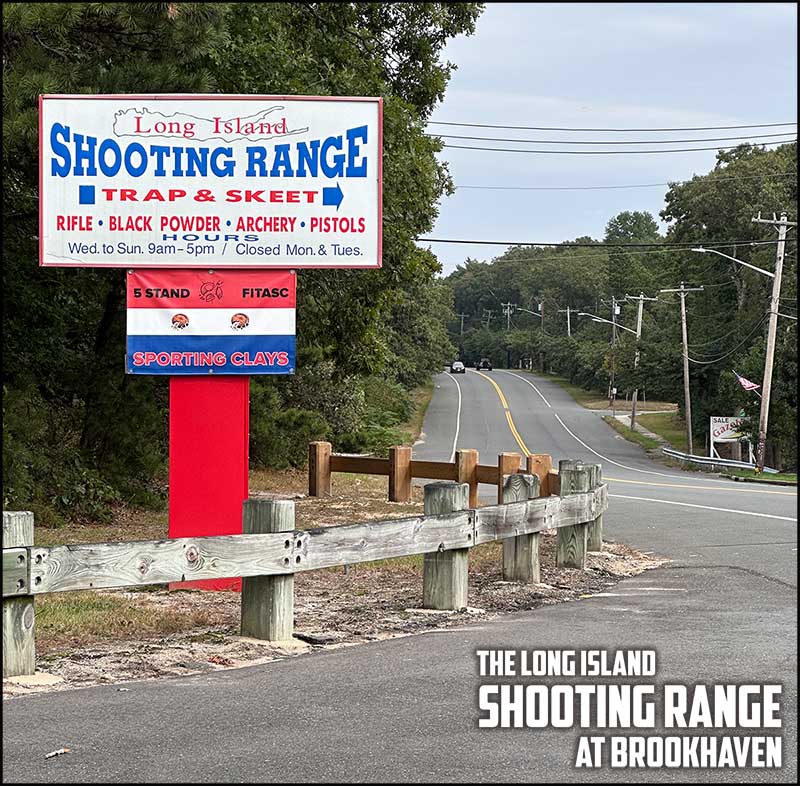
(211,181)
(211,322)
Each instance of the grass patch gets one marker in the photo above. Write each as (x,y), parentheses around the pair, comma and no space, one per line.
(421,397)
(586,398)
(590,399)
(632,436)
(790,477)
(668,425)
(126,524)
(76,618)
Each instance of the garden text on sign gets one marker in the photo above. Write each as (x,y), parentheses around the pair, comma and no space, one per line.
(201,322)
(210,181)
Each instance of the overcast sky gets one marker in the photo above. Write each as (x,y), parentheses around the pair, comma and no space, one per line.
(602,66)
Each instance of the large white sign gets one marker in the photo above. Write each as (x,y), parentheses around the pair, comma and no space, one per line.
(210,181)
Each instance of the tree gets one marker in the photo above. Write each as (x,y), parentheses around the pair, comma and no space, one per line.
(64,330)
(629,271)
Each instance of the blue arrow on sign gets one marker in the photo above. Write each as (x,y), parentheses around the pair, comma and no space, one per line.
(332,196)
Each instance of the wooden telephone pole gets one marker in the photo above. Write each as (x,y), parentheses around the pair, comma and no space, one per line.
(686,394)
(567,311)
(641,298)
(766,389)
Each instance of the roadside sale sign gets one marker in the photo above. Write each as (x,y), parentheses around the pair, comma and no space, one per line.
(725,429)
(198,322)
(210,181)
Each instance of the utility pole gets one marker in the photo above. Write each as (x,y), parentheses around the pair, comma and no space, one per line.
(641,298)
(487,313)
(541,352)
(462,321)
(508,310)
(686,395)
(567,310)
(766,388)
(614,313)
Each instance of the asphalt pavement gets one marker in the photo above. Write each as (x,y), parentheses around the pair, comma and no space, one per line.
(723,611)
(692,517)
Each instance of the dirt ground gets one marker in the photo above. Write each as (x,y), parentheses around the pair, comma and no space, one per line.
(333,608)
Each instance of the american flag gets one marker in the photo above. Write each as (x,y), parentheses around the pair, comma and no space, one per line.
(746,383)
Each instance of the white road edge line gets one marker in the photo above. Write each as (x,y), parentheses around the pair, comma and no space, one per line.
(528,382)
(605,458)
(633,469)
(458,418)
(705,507)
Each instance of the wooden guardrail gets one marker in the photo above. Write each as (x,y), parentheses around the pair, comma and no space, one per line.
(400,468)
(271,551)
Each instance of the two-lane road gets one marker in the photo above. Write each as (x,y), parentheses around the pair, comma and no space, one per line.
(693,518)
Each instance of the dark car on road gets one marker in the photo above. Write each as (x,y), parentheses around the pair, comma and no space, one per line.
(485,364)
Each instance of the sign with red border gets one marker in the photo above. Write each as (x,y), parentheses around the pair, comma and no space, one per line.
(196,322)
(211,181)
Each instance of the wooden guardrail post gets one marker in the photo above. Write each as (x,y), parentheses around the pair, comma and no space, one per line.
(507,464)
(571,544)
(319,469)
(268,601)
(521,553)
(400,474)
(19,647)
(540,464)
(467,471)
(444,573)
(594,529)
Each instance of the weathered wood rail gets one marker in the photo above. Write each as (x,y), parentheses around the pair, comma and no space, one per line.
(270,551)
(400,468)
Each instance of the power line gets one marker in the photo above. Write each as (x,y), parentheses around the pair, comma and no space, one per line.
(736,329)
(610,152)
(728,283)
(562,244)
(728,354)
(634,185)
(603,255)
(624,130)
(606,142)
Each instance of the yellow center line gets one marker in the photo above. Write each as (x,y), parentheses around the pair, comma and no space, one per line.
(510,420)
(527,452)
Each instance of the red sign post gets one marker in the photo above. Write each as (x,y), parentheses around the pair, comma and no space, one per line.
(208,460)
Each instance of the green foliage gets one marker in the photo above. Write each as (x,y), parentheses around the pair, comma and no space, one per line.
(387,405)
(37,443)
(92,433)
(279,435)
